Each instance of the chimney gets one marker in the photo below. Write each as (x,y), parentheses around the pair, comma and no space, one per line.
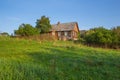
(58,23)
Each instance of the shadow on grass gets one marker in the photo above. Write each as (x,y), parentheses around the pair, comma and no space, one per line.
(67,64)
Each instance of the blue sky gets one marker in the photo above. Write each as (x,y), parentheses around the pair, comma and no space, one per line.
(88,13)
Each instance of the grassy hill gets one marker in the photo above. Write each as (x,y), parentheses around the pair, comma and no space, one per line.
(32,60)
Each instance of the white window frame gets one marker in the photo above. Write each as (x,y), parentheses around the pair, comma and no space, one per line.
(66,33)
(59,33)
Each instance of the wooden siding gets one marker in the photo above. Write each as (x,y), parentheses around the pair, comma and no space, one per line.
(67,35)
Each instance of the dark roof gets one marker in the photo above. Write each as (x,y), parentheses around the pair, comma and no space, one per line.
(63,26)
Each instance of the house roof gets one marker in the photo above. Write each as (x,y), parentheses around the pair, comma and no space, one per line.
(63,26)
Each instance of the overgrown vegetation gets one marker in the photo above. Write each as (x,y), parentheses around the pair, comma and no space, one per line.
(42,26)
(97,37)
(26,30)
(102,37)
(32,60)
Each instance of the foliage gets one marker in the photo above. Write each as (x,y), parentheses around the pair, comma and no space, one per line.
(43,24)
(80,38)
(31,60)
(101,36)
(26,30)
(116,37)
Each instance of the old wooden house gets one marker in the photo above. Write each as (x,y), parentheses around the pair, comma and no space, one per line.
(65,31)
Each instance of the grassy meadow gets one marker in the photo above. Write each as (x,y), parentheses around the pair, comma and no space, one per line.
(56,60)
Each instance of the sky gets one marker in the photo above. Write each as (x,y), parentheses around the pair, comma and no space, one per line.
(88,13)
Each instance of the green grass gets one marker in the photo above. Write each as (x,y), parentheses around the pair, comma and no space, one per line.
(32,60)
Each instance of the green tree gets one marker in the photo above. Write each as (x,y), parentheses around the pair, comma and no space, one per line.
(43,24)
(20,30)
(99,36)
(116,37)
(26,30)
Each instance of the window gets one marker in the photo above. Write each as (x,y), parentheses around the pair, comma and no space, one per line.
(69,33)
(59,33)
(62,33)
(65,33)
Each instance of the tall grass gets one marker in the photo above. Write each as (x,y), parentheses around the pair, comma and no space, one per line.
(41,37)
(22,59)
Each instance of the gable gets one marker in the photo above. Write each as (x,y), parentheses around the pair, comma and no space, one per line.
(76,28)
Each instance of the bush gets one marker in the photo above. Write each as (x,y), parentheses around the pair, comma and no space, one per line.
(26,30)
(102,37)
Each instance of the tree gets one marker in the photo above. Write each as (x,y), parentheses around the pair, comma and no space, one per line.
(99,36)
(20,30)
(116,37)
(26,30)
(43,24)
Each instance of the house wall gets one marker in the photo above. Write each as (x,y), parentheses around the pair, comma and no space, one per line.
(75,32)
(76,28)
(53,33)
(66,35)
(62,35)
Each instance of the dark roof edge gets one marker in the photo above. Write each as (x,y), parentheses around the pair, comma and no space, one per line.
(66,23)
